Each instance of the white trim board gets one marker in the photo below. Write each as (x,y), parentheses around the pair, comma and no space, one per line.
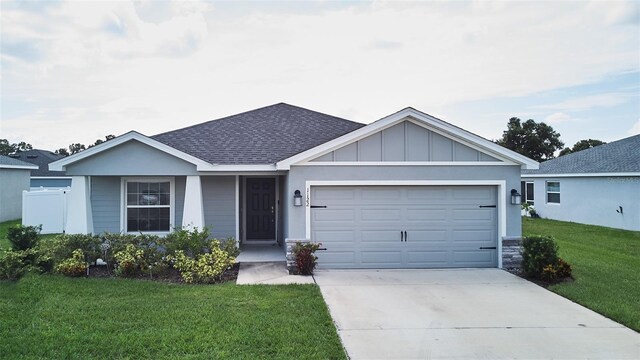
(425,120)
(612,174)
(501,199)
(19,167)
(405,163)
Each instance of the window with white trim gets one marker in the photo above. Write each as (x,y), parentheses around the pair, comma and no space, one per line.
(553,192)
(526,189)
(148,205)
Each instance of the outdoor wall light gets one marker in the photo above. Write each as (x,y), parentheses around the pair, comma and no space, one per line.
(297,198)
(515,197)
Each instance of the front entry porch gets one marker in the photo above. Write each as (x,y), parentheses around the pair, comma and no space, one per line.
(258,253)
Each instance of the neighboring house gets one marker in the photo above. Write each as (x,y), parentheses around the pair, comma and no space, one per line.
(599,186)
(406,191)
(14,178)
(42,177)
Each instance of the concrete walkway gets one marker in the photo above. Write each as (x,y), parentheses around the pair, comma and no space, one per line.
(465,314)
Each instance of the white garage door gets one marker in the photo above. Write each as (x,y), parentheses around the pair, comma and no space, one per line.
(405,226)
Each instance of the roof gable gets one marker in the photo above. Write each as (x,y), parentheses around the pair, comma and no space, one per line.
(622,156)
(406,141)
(262,136)
(453,143)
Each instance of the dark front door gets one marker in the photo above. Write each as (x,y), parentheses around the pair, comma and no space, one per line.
(261,209)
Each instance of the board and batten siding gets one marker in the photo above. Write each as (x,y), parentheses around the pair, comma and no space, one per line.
(106,203)
(218,197)
(405,142)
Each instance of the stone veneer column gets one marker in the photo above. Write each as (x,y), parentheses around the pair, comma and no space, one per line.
(511,253)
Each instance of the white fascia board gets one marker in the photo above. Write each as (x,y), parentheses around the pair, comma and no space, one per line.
(132,135)
(612,174)
(19,167)
(52,177)
(405,163)
(395,118)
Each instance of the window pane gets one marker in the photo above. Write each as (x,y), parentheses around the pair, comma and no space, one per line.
(523,190)
(148,219)
(530,192)
(164,187)
(553,186)
(553,198)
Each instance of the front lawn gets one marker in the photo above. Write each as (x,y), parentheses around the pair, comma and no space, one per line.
(50,316)
(4,226)
(606,266)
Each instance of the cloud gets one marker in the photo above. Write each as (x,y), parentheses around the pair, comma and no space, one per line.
(557,117)
(591,101)
(635,129)
(155,67)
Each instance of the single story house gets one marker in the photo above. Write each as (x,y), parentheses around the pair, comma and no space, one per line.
(598,186)
(14,178)
(42,177)
(406,191)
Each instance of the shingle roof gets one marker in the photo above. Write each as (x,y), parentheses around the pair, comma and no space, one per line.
(262,136)
(42,158)
(614,157)
(7,160)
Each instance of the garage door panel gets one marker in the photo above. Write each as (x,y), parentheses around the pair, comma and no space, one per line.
(445,226)
(426,214)
(435,258)
(335,236)
(334,215)
(381,258)
(380,214)
(379,236)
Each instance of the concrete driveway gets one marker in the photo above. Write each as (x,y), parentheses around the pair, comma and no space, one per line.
(465,314)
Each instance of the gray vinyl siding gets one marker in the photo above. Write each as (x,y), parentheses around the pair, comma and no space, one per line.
(12,183)
(298,175)
(405,142)
(132,158)
(219,196)
(50,183)
(105,204)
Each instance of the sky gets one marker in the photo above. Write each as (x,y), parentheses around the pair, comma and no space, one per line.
(73,71)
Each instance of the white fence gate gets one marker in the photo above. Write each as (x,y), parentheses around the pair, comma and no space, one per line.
(47,208)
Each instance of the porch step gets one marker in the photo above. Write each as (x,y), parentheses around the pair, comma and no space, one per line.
(260,253)
(269,273)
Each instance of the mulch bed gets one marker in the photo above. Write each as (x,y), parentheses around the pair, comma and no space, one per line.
(543,283)
(170,276)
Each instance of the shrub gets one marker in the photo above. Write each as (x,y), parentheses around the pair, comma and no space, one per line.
(191,242)
(563,269)
(23,237)
(538,252)
(130,260)
(306,261)
(12,264)
(62,247)
(75,266)
(230,246)
(204,268)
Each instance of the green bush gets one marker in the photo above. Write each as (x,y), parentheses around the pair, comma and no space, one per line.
(538,252)
(230,246)
(61,247)
(13,264)
(130,261)
(306,261)
(23,237)
(191,242)
(204,268)
(75,266)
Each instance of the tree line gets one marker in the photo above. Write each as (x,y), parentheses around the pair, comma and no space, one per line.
(537,141)
(7,148)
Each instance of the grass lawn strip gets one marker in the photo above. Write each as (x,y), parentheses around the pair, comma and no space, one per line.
(606,267)
(47,316)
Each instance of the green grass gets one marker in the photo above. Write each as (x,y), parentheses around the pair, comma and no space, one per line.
(606,266)
(48,316)
(4,226)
